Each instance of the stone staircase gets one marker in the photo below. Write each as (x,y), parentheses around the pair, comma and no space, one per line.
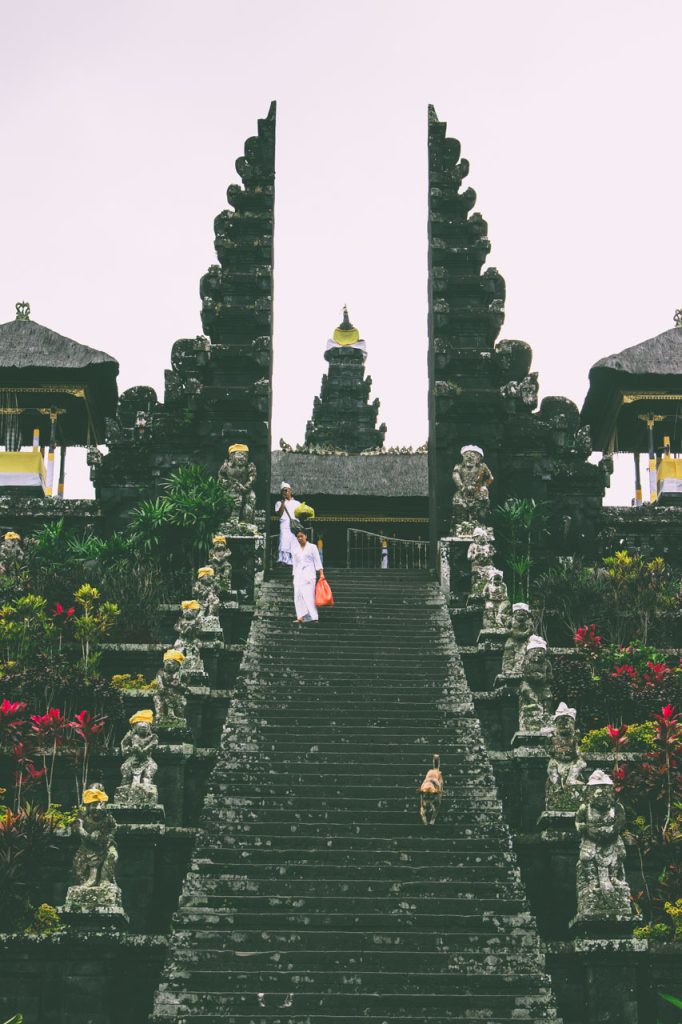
(315,893)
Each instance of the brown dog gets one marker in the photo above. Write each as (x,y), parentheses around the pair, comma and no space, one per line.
(430,793)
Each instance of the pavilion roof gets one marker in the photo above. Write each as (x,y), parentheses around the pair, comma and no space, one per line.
(644,378)
(378,475)
(47,369)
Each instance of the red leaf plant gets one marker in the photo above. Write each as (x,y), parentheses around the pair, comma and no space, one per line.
(588,641)
(89,730)
(660,774)
(26,774)
(48,730)
(618,737)
(62,616)
(11,723)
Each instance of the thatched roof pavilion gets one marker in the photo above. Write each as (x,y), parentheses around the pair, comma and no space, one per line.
(41,370)
(643,380)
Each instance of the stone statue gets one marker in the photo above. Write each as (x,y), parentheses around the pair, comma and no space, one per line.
(206,592)
(94,461)
(219,560)
(94,866)
(238,475)
(515,648)
(564,786)
(480,554)
(170,703)
(188,628)
(139,767)
(11,553)
(602,889)
(535,691)
(497,610)
(471,500)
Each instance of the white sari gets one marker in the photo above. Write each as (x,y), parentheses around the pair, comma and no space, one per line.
(286,537)
(306,561)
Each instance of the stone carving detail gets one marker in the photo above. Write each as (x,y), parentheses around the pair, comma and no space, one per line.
(188,627)
(471,500)
(497,610)
(170,702)
(11,553)
(238,475)
(602,889)
(480,554)
(564,786)
(219,560)
(94,866)
(535,691)
(524,392)
(139,767)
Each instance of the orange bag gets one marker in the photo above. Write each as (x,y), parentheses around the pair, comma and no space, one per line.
(323,593)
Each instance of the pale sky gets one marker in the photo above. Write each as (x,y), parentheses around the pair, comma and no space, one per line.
(120,124)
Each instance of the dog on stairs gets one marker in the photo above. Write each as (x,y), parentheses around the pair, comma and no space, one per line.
(431,793)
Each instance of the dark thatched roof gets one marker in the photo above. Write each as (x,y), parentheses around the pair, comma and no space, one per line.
(382,476)
(35,361)
(24,344)
(652,369)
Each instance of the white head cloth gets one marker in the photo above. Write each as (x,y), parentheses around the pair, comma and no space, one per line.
(599,778)
(495,572)
(520,606)
(471,448)
(536,643)
(283,485)
(563,711)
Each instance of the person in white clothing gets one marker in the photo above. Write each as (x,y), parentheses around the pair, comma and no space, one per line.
(307,566)
(285,510)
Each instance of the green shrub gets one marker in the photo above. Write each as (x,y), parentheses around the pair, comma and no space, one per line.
(639,737)
(45,921)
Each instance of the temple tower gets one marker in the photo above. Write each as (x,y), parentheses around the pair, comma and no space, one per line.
(482,392)
(343,417)
(219,388)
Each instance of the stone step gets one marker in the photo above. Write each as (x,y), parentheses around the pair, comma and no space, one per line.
(199,886)
(169,1013)
(295,861)
(402,875)
(410,983)
(319,786)
(495,920)
(408,943)
(395,1005)
(434,962)
(315,839)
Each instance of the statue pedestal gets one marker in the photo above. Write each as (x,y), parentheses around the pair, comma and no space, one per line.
(526,740)
(94,907)
(493,637)
(513,682)
(602,925)
(137,814)
(454,571)
(557,824)
(174,731)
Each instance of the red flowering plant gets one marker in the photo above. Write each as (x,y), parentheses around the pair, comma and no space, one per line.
(89,730)
(11,721)
(25,774)
(62,617)
(48,732)
(588,641)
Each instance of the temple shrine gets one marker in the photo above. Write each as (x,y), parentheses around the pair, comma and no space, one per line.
(451,797)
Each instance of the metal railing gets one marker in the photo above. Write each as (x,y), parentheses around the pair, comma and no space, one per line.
(366,550)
